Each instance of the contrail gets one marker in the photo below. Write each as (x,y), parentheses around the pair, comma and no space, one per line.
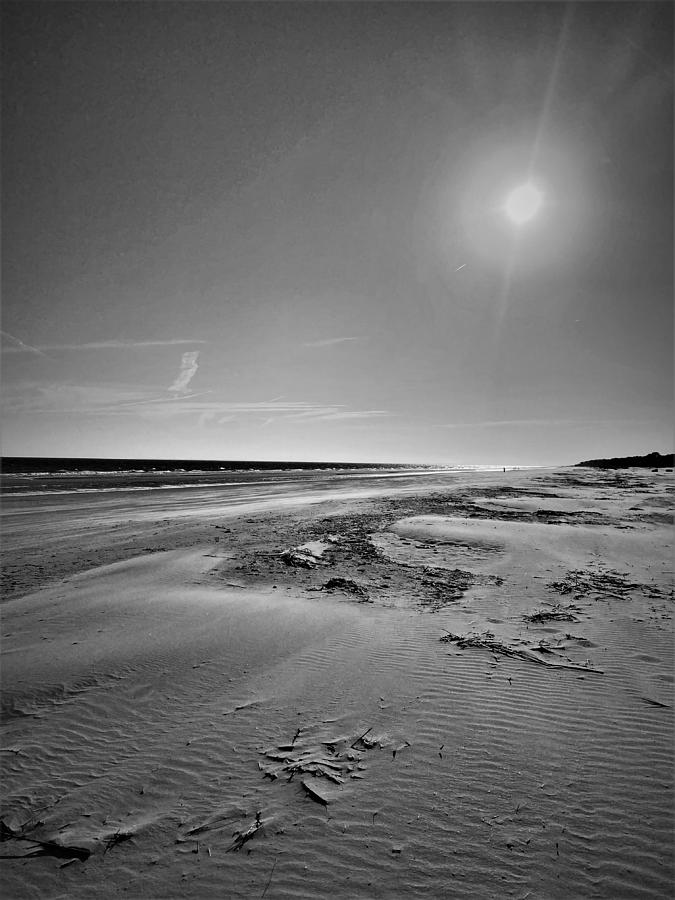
(329,342)
(21,346)
(188,367)
(123,345)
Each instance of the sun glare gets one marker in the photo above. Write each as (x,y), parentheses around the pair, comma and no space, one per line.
(523,203)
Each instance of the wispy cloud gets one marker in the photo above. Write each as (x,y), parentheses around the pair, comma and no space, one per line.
(330,342)
(507,423)
(355,414)
(188,369)
(114,399)
(19,347)
(36,397)
(208,410)
(267,411)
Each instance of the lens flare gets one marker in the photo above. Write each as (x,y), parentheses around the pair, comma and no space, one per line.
(523,203)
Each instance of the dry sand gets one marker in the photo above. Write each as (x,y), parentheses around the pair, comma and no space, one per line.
(443,686)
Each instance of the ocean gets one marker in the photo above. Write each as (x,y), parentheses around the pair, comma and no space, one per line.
(58,475)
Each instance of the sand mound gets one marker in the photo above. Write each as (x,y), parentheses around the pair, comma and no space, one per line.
(449,530)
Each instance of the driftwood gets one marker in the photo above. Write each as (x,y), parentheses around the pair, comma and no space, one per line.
(241,837)
(486,641)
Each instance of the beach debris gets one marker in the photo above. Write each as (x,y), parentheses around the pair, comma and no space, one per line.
(214,823)
(241,837)
(445,586)
(605,585)
(305,556)
(297,559)
(580,639)
(548,615)
(347,586)
(269,880)
(332,761)
(219,820)
(313,792)
(486,641)
(364,740)
(31,848)
(655,703)
(33,845)
(63,843)
(117,838)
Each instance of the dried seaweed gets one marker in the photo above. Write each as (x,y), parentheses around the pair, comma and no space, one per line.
(549,615)
(605,584)
(345,584)
(445,586)
(298,559)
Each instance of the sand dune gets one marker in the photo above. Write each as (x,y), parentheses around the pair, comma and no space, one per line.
(211,716)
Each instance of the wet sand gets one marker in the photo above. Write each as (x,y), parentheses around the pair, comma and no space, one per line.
(441,685)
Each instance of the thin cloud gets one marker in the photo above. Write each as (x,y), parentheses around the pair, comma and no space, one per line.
(355,414)
(20,347)
(208,409)
(506,423)
(188,369)
(125,400)
(267,411)
(330,342)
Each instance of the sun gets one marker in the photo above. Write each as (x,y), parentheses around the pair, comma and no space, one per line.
(523,203)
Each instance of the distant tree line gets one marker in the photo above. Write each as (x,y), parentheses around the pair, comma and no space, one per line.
(649,461)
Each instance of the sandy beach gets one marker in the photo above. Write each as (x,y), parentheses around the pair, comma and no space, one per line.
(447,684)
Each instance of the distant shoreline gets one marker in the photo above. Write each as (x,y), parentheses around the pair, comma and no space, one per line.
(70,465)
(62,466)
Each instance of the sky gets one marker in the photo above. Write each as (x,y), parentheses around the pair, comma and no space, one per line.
(281,230)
